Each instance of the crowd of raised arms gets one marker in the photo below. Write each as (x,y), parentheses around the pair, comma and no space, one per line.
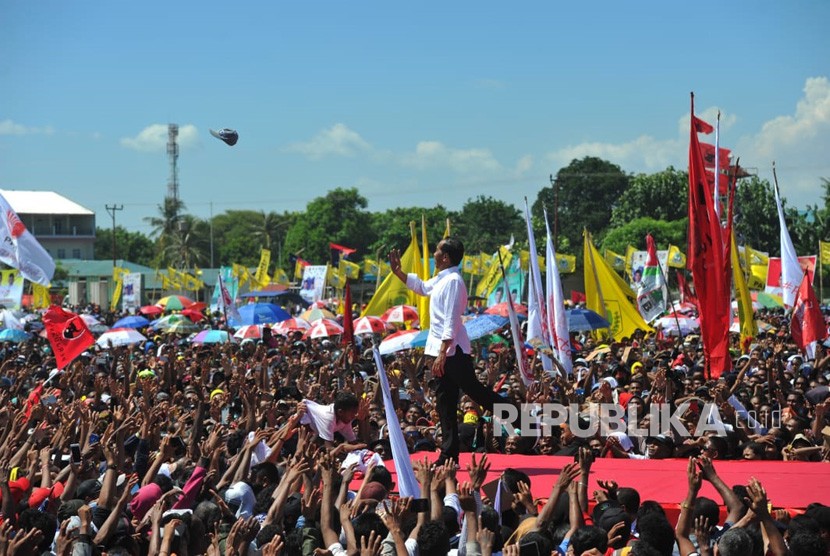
(167,447)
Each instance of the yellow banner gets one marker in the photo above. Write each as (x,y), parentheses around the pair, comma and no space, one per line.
(423,300)
(565,263)
(616,260)
(349,269)
(173,278)
(40,296)
(261,277)
(281,277)
(116,294)
(629,257)
(492,275)
(392,291)
(824,248)
(335,278)
(749,328)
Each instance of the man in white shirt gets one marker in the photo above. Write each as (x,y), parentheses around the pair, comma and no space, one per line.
(447,341)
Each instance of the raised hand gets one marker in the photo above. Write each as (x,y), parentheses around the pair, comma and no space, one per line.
(370,546)
(478,471)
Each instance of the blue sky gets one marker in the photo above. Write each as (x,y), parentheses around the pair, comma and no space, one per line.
(412,104)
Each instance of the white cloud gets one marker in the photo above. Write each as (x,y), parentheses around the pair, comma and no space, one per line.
(643,154)
(798,144)
(524,165)
(338,140)
(9,127)
(435,155)
(154,138)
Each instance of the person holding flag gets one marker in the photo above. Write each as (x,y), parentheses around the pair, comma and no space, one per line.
(448,342)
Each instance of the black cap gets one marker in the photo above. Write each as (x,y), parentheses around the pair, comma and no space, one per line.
(229,136)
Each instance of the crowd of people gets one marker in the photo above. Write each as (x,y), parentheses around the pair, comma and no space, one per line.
(261,447)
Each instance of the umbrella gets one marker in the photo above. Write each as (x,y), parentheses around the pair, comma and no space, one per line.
(174,302)
(405,339)
(324,328)
(193,314)
(120,337)
(762,326)
(151,310)
(13,335)
(211,337)
(684,307)
(317,313)
(400,313)
(291,325)
(503,310)
(669,324)
(581,320)
(253,331)
(89,320)
(259,313)
(483,325)
(755,305)
(369,325)
(133,321)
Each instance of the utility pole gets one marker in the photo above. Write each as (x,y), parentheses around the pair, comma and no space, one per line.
(112,210)
(555,185)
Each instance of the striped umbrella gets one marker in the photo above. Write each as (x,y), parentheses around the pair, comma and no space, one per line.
(400,313)
(405,339)
(174,302)
(249,331)
(120,337)
(211,337)
(324,328)
(369,325)
(291,325)
(317,313)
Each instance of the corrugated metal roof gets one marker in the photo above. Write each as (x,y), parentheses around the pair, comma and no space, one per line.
(42,202)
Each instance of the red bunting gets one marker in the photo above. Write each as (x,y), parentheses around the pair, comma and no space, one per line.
(67,333)
(807,324)
(708,152)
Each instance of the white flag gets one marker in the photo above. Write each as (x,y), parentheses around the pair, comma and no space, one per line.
(791,272)
(557,318)
(226,303)
(19,249)
(652,293)
(538,333)
(407,483)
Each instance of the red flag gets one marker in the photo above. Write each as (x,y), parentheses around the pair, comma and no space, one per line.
(807,324)
(708,152)
(723,182)
(686,295)
(578,297)
(67,333)
(347,338)
(708,259)
(699,126)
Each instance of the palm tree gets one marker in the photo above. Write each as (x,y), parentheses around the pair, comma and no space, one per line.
(188,245)
(165,225)
(269,230)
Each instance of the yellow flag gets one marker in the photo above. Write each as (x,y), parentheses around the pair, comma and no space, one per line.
(676,258)
(116,294)
(370,266)
(40,296)
(262,279)
(492,275)
(606,294)
(565,263)
(629,258)
(447,230)
(349,269)
(392,291)
(299,269)
(423,301)
(616,260)
(173,278)
(281,277)
(824,247)
(749,328)
(335,278)
(758,263)
(524,260)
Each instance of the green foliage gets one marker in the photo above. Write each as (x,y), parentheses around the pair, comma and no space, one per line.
(756,218)
(130,246)
(634,233)
(339,217)
(588,191)
(391,227)
(662,196)
(232,233)
(486,223)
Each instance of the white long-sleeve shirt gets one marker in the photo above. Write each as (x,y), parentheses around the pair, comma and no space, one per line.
(447,302)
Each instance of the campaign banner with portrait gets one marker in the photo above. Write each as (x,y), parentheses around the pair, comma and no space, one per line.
(638,265)
(313,283)
(515,283)
(131,291)
(11,289)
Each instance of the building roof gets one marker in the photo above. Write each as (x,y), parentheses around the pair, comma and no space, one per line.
(42,202)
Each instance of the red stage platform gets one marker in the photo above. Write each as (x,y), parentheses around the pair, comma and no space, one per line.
(791,485)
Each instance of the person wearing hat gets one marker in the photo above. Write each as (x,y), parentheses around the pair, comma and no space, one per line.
(448,342)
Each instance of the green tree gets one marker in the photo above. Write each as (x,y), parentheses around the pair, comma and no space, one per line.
(269,230)
(662,196)
(189,245)
(634,233)
(165,225)
(339,217)
(584,194)
(131,246)
(232,232)
(392,227)
(485,223)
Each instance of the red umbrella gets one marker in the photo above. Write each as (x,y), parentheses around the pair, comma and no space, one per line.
(324,328)
(400,313)
(195,316)
(151,310)
(501,309)
(291,325)
(369,325)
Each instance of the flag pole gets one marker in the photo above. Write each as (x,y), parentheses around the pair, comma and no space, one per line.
(517,341)
(820,282)
(671,301)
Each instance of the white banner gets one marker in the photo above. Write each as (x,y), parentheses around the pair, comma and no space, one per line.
(20,249)
(131,291)
(314,283)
